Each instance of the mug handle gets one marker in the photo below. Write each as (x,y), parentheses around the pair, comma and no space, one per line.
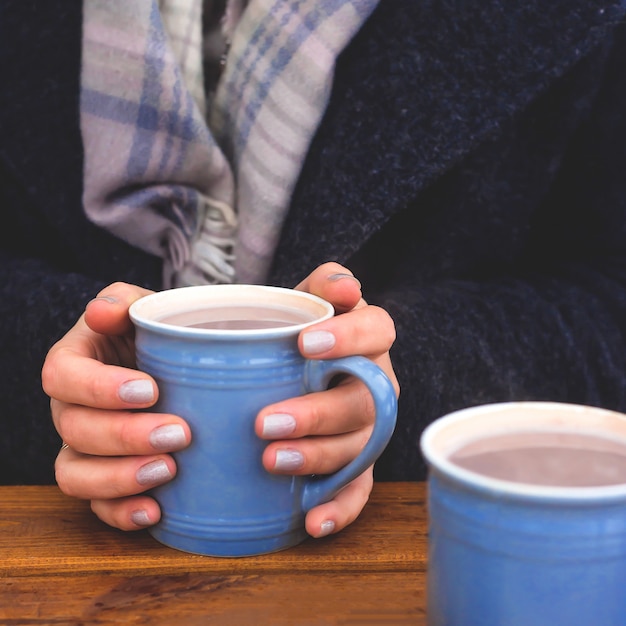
(317,376)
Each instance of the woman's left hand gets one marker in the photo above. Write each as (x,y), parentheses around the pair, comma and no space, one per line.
(321,432)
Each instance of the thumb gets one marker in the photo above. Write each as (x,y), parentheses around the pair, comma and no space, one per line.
(107,313)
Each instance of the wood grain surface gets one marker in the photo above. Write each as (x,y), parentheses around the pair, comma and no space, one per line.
(60,565)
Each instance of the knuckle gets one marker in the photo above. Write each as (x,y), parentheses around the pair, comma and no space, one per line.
(387,368)
(117,489)
(124,433)
(315,460)
(66,424)
(359,492)
(97,388)
(49,373)
(367,407)
(315,420)
(363,487)
(364,437)
(112,513)
(54,412)
(96,506)
(102,510)
(62,478)
(385,325)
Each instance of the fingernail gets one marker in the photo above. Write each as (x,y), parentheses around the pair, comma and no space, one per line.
(339,276)
(140,518)
(288,460)
(278,425)
(109,299)
(326,527)
(153,473)
(317,341)
(169,437)
(136,391)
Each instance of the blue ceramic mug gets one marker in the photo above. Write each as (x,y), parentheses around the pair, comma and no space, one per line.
(219,354)
(527,510)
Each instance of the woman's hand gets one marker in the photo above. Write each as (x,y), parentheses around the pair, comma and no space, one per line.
(321,432)
(117,449)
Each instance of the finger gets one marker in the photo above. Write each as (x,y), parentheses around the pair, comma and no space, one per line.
(119,433)
(107,313)
(315,455)
(343,509)
(336,284)
(91,361)
(132,513)
(342,409)
(93,383)
(369,331)
(90,477)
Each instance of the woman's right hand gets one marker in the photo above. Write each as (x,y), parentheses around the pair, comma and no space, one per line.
(114,447)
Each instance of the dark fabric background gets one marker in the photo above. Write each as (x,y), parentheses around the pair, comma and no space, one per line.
(469,170)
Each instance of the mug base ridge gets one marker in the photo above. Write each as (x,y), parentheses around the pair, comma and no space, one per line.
(220,547)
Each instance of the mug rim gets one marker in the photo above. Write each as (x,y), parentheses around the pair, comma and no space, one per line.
(138,316)
(439,462)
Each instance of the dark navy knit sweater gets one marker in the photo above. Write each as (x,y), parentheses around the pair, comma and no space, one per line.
(470,169)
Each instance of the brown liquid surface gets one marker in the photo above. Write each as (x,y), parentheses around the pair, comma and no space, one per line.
(238,318)
(549,459)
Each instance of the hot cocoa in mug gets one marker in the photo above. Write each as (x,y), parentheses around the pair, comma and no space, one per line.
(252,317)
(527,516)
(559,459)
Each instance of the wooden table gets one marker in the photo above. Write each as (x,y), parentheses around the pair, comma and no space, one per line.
(60,565)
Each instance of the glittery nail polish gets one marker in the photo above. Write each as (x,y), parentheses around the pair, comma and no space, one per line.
(288,460)
(136,391)
(317,341)
(140,518)
(326,528)
(278,425)
(153,473)
(168,437)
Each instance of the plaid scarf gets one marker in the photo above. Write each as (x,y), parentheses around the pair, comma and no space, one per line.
(208,192)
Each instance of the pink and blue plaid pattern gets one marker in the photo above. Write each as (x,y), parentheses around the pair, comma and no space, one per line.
(208,193)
